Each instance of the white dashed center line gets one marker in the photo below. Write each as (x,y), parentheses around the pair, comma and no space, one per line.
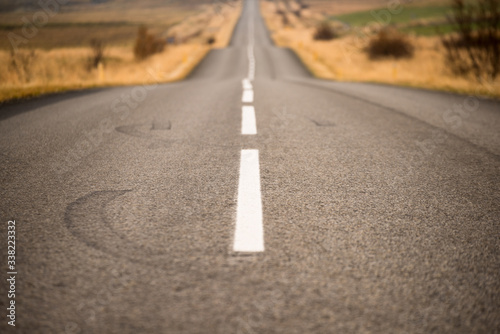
(249,233)
(251,56)
(247,84)
(248,123)
(247,96)
(251,63)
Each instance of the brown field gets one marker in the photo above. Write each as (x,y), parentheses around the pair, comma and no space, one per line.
(56,58)
(76,25)
(344,59)
(337,7)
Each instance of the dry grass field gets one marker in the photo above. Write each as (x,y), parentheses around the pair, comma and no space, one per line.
(345,58)
(56,58)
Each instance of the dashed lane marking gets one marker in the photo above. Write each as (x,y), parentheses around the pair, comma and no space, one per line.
(248,122)
(249,231)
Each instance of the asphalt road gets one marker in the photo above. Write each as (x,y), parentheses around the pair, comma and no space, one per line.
(380,205)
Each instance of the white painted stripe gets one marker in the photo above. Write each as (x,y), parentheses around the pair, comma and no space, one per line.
(248,123)
(251,63)
(247,84)
(249,232)
(250,52)
(247,96)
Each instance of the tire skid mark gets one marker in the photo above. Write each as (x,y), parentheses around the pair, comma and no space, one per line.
(86,220)
(161,125)
(138,131)
(132,130)
(322,123)
(145,130)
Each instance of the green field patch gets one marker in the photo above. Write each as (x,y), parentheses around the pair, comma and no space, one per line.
(431,30)
(383,15)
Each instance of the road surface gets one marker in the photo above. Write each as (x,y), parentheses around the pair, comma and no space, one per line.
(253,198)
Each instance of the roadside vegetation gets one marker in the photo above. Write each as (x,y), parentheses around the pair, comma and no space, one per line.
(390,43)
(105,44)
(325,32)
(147,44)
(475,48)
(450,45)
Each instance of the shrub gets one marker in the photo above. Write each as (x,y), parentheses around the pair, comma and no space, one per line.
(97,46)
(210,40)
(284,18)
(22,62)
(325,32)
(476,47)
(147,44)
(390,43)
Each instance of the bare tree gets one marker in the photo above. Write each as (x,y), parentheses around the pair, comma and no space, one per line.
(22,62)
(97,56)
(475,48)
(147,44)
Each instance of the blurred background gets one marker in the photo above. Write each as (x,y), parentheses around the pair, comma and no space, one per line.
(451,45)
(54,45)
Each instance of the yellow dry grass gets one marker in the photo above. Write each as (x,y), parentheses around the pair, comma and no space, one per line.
(62,69)
(344,59)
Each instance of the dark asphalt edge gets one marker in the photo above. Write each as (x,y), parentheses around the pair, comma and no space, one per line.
(489,99)
(49,98)
(43,99)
